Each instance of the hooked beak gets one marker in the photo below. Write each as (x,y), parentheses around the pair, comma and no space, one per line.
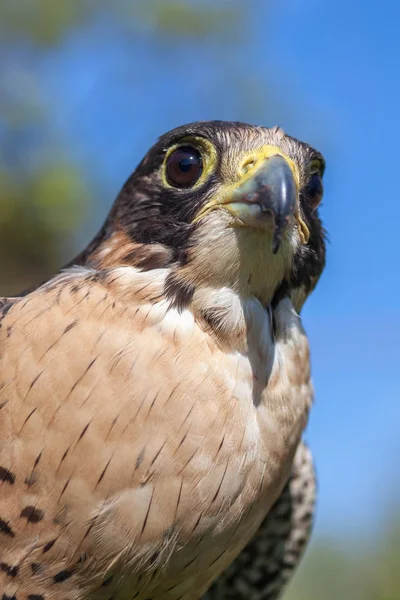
(265,200)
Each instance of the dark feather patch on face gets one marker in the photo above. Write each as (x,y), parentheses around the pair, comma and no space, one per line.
(309,260)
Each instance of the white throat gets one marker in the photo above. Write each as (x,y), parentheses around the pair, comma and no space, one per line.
(239,258)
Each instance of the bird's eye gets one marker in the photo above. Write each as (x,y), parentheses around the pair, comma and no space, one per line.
(315,190)
(184,167)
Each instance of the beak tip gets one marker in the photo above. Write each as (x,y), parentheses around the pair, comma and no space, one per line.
(279,230)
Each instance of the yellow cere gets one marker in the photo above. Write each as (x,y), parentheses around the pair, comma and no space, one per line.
(252,161)
(247,168)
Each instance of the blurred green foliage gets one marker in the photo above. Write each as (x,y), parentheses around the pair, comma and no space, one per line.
(42,22)
(37,215)
(44,196)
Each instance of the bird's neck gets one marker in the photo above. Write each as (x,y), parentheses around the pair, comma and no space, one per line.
(218,283)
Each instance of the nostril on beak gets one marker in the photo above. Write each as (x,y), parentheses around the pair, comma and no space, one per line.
(247,165)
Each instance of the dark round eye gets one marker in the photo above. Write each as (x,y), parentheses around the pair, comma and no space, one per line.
(315,190)
(184,167)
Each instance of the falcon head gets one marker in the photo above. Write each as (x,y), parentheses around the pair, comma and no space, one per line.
(221,205)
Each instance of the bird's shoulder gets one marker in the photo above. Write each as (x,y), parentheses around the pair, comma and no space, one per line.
(81,326)
(77,303)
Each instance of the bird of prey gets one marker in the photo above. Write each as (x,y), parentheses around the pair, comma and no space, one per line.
(153,394)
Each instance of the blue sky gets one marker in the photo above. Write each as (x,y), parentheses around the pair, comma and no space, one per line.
(328,73)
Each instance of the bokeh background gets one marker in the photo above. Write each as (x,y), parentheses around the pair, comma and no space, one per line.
(86,86)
